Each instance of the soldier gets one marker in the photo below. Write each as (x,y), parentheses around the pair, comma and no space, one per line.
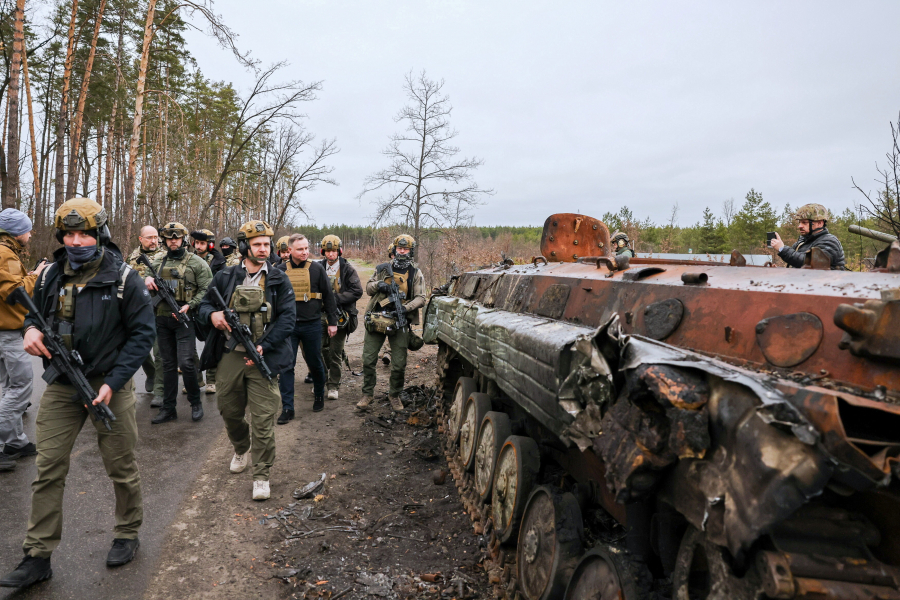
(621,244)
(228,246)
(811,223)
(204,242)
(242,388)
(15,365)
(347,290)
(188,276)
(149,245)
(410,281)
(101,307)
(282,250)
(313,295)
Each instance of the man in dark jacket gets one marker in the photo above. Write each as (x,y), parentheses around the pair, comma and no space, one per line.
(101,308)
(811,221)
(241,387)
(313,295)
(204,242)
(347,290)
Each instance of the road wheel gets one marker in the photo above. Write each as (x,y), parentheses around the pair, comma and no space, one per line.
(603,574)
(495,428)
(473,413)
(514,476)
(465,386)
(550,542)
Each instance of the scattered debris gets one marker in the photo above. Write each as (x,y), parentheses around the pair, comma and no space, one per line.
(310,489)
(439,477)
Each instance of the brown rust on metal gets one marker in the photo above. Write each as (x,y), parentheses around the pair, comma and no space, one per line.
(788,340)
(567,236)
(817,259)
(872,330)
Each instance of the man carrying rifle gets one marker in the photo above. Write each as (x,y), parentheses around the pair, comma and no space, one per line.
(260,297)
(185,277)
(99,310)
(397,289)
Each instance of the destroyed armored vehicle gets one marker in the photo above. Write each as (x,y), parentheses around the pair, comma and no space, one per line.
(653,428)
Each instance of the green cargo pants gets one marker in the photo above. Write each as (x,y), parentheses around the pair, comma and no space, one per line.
(243,389)
(333,357)
(158,386)
(371,346)
(59,420)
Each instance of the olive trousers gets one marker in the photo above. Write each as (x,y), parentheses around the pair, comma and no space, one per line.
(371,347)
(333,357)
(59,420)
(241,388)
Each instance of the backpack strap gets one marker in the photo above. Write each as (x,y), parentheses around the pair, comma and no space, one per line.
(124,271)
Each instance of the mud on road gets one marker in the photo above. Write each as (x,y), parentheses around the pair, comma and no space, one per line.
(380,527)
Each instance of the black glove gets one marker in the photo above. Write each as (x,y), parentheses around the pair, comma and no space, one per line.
(383,287)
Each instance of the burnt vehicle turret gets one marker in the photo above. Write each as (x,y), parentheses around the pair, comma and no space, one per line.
(641,428)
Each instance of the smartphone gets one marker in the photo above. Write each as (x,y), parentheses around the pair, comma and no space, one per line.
(770,235)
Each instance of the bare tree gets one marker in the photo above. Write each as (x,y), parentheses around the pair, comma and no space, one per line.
(728,211)
(266,104)
(884,205)
(63,123)
(425,184)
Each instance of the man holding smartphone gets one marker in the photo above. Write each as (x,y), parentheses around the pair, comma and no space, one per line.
(811,223)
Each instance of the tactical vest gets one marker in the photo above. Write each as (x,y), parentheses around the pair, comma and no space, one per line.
(64,323)
(249,302)
(300,281)
(335,281)
(180,278)
(403,284)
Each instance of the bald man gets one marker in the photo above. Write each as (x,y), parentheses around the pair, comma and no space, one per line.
(149,245)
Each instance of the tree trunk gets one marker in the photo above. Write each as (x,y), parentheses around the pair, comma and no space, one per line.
(79,111)
(110,167)
(34,154)
(138,115)
(100,164)
(12,145)
(64,111)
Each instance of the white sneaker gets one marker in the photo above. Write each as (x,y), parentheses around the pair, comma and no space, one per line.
(210,388)
(240,462)
(260,490)
(332,395)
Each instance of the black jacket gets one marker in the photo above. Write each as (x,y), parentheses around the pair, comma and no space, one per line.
(351,288)
(279,293)
(217,263)
(318,284)
(795,255)
(113,336)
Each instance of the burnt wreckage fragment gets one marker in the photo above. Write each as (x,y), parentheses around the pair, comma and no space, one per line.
(687,429)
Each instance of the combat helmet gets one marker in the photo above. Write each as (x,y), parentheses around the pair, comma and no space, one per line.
(282,244)
(250,230)
(403,241)
(332,242)
(619,235)
(81,214)
(812,212)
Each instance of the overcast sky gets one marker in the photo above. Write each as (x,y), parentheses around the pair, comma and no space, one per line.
(585,106)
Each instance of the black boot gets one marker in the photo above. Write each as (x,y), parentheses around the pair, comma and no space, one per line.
(318,403)
(7,463)
(308,379)
(165,415)
(30,571)
(122,552)
(286,415)
(197,412)
(28,449)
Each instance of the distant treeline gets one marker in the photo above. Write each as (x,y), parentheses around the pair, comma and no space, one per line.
(359,236)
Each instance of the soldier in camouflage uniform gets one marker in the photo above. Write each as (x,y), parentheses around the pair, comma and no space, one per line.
(621,244)
(227,246)
(410,281)
(811,223)
(204,242)
(153,368)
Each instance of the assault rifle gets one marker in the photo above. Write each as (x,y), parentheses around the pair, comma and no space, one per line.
(396,298)
(240,334)
(164,293)
(64,362)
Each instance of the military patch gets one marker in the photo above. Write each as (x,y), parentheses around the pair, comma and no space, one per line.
(14,267)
